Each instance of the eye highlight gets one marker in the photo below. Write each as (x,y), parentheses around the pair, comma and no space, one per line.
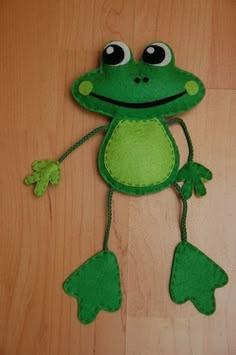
(157,54)
(116,53)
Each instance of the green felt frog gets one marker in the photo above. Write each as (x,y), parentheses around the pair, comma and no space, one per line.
(139,156)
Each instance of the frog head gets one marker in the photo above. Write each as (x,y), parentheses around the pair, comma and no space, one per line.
(151,87)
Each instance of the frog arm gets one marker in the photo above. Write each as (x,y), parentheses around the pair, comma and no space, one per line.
(49,171)
(81,141)
(192,174)
(179,121)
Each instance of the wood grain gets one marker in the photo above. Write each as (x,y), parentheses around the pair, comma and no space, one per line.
(45,45)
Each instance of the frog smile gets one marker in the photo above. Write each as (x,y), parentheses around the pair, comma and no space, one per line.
(139,104)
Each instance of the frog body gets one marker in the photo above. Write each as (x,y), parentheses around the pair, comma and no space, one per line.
(138,156)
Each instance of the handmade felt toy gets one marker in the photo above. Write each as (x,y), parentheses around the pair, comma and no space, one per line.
(138,156)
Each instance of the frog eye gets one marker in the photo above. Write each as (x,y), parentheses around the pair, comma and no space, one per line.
(116,53)
(158,54)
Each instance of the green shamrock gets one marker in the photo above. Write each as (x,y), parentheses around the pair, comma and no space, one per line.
(96,286)
(195,277)
(45,171)
(194,175)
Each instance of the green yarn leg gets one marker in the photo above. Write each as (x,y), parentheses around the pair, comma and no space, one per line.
(194,276)
(183,227)
(109,219)
(96,284)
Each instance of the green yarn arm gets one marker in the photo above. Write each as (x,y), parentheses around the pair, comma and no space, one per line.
(81,141)
(193,174)
(186,133)
(49,171)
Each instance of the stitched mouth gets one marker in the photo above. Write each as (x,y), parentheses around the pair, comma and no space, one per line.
(139,104)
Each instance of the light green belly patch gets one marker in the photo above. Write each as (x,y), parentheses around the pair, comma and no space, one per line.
(139,153)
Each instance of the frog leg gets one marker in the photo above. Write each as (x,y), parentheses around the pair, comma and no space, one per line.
(96,284)
(194,276)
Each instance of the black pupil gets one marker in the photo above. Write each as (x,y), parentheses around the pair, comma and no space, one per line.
(154,54)
(113,54)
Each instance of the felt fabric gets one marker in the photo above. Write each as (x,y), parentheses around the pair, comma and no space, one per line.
(138,156)
(195,277)
(133,157)
(45,172)
(118,89)
(96,286)
(194,175)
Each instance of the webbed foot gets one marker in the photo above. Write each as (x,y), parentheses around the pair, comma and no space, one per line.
(96,286)
(195,277)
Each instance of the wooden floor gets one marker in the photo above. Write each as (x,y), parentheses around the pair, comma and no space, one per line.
(44,46)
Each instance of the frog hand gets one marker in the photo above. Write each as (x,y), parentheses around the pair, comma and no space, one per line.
(194,277)
(193,175)
(96,286)
(45,171)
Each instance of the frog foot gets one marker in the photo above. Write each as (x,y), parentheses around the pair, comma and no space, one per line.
(45,172)
(195,277)
(194,175)
(96,286)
